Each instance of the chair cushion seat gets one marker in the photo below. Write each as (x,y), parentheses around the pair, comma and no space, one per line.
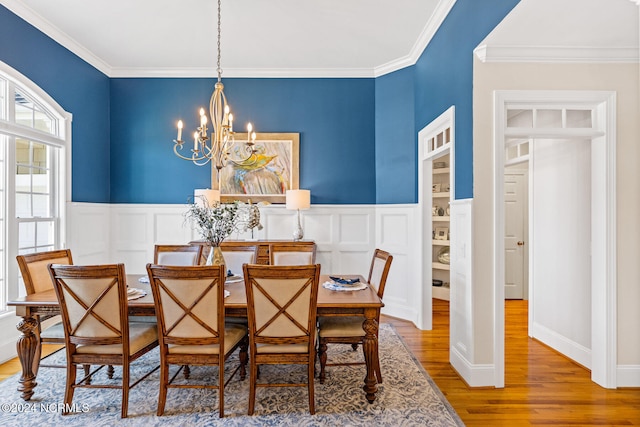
(336,327)
(233,333)
(282,348)
(140,336)
(55,331)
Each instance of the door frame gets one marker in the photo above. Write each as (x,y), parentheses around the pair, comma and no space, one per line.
(425,202)
(603,225)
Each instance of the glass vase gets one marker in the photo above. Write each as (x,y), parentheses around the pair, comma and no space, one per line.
(215,256)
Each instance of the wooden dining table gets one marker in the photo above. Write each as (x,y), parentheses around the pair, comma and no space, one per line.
(363,303)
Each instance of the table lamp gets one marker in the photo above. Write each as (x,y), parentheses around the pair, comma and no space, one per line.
(298,199)
(211,196)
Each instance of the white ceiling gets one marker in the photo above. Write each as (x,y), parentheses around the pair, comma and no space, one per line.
(316,38)
(351,38)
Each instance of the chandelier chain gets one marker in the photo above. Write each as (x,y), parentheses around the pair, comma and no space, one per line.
(219,69)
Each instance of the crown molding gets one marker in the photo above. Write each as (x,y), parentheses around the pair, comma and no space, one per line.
(262,73)
(557,54)
(44,26)
(440,13)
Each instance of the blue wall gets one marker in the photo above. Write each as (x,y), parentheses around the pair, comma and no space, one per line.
(335,119)
(396,153)
(444,77)
(358,137)
(78,87)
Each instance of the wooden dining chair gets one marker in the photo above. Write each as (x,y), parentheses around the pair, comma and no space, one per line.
(36,278)
(348,330)
(292,254)
(177,254)
(189,305)
(237,254)
(281,307)
(94,308)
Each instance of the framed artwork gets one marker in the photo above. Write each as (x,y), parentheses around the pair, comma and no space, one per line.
(267,176)
(441,233)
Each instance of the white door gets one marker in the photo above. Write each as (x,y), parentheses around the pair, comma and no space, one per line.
(515,198)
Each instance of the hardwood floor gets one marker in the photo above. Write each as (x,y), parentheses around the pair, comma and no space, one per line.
(541,386)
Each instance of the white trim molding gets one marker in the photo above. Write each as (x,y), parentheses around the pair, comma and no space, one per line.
(603,224)
(437,18)
(557,54)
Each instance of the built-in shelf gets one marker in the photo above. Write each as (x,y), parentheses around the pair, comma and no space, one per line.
(441,195)
(440,266)
(437,171)
(440,224)
(441,242)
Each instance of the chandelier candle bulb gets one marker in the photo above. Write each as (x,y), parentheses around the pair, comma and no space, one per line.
(179,130)
(195,142)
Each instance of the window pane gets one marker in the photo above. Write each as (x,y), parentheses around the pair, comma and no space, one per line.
(43,122)
(519,118)
(23,152)
(27,235)
(579,119)
(41,205)
(38,155)
(23,182)
(45,234)
(41,183)
(30,114)
(23,205)
(549,118)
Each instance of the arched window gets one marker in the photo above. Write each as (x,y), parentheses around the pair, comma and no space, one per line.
(34,140)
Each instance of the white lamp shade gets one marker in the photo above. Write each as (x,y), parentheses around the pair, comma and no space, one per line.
(298,199)
(212,196)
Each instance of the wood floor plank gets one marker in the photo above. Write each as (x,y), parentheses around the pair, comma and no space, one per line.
(542,387)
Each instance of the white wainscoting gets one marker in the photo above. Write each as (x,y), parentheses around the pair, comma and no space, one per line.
(346,236)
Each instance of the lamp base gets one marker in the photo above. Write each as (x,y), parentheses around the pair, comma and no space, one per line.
(297,231)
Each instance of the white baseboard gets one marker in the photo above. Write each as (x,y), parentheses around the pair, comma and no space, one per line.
(628,376)
(562,344)
(475,375)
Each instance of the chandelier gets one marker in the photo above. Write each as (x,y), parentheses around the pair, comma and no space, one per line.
(217,149)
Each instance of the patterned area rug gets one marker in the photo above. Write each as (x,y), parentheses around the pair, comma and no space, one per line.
(407,397)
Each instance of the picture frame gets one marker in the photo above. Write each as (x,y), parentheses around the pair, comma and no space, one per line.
(266,178)
(435,188)
(441,233)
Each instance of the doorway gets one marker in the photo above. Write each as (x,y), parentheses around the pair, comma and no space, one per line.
(436,189)
(587,124)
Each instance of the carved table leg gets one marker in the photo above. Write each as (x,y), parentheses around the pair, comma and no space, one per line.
(27,347)
(370,350)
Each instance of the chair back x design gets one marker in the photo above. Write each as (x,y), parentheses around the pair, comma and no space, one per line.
(348,330)
(189,305)
(177,254)
(281,306)
(94,308)
(36,278)
(291,254)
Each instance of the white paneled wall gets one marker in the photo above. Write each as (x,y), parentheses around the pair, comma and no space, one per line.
(346,236)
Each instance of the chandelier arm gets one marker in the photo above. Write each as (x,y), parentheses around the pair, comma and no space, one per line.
(219,150)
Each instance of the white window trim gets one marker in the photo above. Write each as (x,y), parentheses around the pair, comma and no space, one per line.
(61,141)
